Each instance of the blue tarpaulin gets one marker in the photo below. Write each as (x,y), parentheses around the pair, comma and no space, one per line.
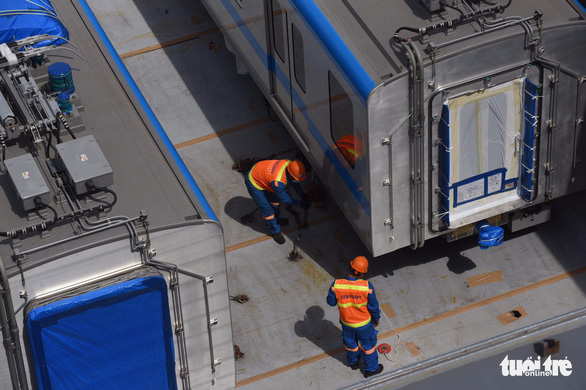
(116,337)
(21,19)
(489,236)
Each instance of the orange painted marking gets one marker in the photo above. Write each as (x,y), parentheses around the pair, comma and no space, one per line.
(222,133)
(387,309)
(256,240)
(172,42)
(413,350)
(512,316)
(491,277)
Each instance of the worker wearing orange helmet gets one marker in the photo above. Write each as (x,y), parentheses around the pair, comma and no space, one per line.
(359,315)
(267,185)
(351,148)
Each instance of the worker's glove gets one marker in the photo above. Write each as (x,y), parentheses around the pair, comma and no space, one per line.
(305,203)
(375,323)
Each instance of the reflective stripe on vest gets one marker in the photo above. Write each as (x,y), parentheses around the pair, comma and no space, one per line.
(263,173)
(352,299)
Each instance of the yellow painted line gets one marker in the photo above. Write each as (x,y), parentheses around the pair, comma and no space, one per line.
(491,277)
(256,240)
(430,320)
(169,43)
(222,133)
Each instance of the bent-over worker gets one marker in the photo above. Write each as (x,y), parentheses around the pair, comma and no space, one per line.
(359,315)
(267,185)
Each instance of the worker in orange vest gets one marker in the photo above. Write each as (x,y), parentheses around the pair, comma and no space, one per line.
(350,147)
(359,315)
(267,185)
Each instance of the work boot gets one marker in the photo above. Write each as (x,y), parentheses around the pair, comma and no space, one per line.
(371,373)
(354,366)
(279,238)
(283,221)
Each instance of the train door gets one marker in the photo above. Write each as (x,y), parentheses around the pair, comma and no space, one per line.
(279,60)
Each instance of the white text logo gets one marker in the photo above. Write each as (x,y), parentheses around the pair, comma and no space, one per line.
(530,367)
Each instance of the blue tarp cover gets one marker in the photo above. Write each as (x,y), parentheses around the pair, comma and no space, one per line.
(21,19)
(116,337)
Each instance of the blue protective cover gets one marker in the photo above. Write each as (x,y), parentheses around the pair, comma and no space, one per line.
(489,235)
(21,19)
(116,337)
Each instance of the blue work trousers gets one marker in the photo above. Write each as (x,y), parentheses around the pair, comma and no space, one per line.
(361,342)
(269,205)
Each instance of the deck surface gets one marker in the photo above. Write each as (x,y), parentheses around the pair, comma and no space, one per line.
(440,298)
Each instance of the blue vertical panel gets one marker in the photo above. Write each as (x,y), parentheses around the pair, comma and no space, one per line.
(116,337)
(528,150)
(444,163)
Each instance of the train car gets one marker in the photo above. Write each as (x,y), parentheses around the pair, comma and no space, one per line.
(424,118)
(112,270)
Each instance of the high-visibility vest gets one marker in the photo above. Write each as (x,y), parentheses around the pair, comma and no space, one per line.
(348,148)
(352,296)
(264,172)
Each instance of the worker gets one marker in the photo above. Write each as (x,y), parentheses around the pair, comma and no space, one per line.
(267,185)
(359,315)
(351,148)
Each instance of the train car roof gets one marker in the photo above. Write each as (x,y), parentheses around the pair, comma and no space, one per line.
(368,27)
(148,175)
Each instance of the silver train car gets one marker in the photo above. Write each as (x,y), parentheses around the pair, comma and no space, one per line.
(112,268)
(455,112)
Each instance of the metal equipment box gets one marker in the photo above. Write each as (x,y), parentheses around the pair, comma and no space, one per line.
(27,180)
(83,160)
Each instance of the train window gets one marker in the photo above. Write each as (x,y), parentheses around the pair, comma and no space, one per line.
(298,57)
(342,121)
(278,29)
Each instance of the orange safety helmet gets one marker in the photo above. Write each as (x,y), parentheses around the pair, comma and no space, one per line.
(360,264)
(297,170)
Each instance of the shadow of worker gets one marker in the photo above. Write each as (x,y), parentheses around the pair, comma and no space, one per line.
(322,333)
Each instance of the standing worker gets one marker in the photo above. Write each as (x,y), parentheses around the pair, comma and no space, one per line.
(359,315)
(267,185)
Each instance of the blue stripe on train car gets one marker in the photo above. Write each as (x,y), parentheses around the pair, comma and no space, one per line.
(335,46)
(339,48)
(151,115)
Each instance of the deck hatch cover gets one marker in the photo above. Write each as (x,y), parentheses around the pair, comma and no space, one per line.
(126,325)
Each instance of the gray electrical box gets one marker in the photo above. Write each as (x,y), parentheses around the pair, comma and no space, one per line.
(83,160)
(432,5)
(27,180)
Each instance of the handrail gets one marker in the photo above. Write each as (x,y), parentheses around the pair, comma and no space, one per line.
(174,282)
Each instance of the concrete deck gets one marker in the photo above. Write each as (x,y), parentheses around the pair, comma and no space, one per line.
(289,336)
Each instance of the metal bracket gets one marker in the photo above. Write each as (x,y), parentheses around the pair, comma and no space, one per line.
(209,279)
(217,362)
(388,222)
(386,141)
(213,321)
(387,182)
